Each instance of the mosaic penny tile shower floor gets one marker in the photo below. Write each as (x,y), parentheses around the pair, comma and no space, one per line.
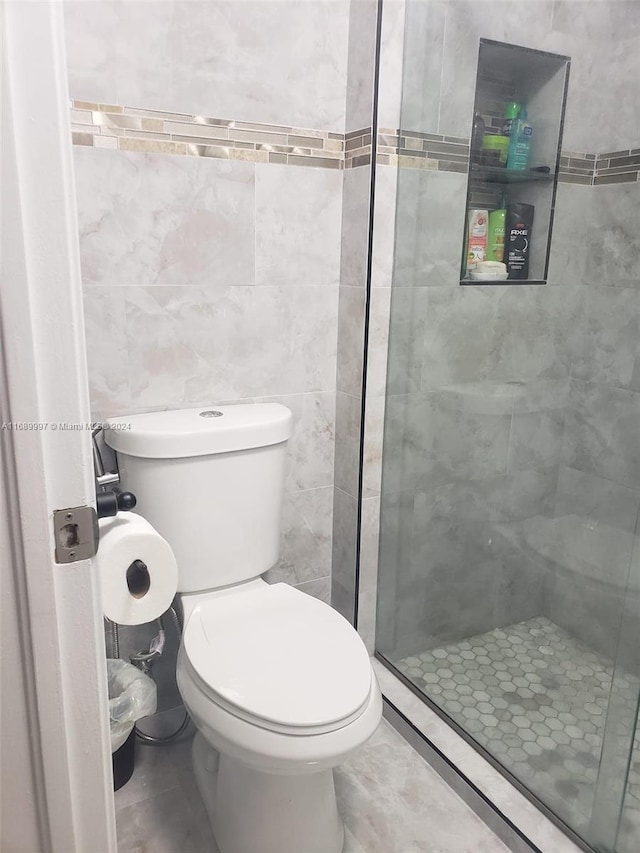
(536,698)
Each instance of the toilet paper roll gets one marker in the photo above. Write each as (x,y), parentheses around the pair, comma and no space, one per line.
(138,571)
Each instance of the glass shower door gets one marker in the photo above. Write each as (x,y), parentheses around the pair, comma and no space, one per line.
(511,473)
(615,823)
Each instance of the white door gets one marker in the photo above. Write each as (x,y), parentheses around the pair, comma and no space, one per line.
(55,754)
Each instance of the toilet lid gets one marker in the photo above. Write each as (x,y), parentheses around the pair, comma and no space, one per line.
(279,655)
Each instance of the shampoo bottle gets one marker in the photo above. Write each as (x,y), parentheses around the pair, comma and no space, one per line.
(495,241)
(518,240)
(511,113)
(520,143)
(477,229)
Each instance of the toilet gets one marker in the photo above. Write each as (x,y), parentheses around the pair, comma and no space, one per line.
(278,684)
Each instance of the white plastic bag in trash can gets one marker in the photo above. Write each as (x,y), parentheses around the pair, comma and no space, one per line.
(132,695)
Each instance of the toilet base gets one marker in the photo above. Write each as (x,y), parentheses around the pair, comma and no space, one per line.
(266,812)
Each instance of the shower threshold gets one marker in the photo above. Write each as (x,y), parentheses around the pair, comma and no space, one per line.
(535,698)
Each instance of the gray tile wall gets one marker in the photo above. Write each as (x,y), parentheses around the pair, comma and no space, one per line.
(253,60)
(511,431)
(500,399)
(351,308)
(205,282)
(442,50)
(595,546)
(210,280)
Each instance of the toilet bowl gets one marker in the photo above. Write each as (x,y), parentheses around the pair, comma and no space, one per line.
(278,684)
(292,697)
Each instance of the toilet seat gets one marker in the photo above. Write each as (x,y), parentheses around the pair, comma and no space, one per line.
(278,659)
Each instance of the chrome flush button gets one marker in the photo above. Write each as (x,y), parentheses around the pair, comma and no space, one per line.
(211,413)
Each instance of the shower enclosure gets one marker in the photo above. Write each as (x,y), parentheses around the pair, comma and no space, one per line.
(509,565)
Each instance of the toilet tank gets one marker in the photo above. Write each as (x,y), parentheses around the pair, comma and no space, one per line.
(211,482)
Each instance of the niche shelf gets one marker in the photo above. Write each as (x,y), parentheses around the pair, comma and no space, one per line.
(539,80)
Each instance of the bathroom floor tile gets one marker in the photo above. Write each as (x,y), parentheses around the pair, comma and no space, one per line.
(389,797)
(536,698)
(392,801)
(161,824)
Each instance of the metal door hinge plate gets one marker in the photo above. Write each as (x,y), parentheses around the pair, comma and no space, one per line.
(76,533)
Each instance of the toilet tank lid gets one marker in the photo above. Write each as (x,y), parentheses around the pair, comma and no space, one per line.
(199,432)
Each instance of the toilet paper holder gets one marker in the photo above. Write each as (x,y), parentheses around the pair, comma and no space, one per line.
(109,502)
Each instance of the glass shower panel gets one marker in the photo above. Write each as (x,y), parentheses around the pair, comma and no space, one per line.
(511,474)
(615,821)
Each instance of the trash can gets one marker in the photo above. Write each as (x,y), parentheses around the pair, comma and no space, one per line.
(132,695)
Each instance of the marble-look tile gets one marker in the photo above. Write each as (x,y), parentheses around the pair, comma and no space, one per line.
(90,37)
(391,71)
(252,61)
(408,431)
(464,445)
(373,444)
(384,219)
(589,611)
(568,259)
(305,542)
(596,499)
(589,69)
(343,561)
(614,239)
(297,225)
(501,334)
(355,224)
(392,800)
(310,449)
(408,317)
(164,824)
(347,446)
(424,44)
(360,64)
(191,345)
(536,440)
(521,587)
(153,775)
(368,579)
(597,21)
(466,22)
(450,589)
(350,340)
(429,228)
(106,343)
(502,499)
(387,795)
(514,805)
(378,344)
(395,543)
(610,329)
(601,435)
(148,219)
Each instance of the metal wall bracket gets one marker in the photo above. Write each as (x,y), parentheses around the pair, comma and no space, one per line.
(76,533)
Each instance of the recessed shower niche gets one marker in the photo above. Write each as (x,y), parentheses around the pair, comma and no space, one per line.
(518,116)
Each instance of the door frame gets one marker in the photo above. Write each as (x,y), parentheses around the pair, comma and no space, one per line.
(57,642)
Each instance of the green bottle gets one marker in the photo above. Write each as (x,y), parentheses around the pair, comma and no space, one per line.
(511,113)
(495,237)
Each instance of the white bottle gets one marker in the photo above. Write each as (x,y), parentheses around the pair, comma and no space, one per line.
(477,234)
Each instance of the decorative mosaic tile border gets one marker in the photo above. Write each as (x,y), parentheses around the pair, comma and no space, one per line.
(160,132)
(357,148)
(618,167)
(451,154)
(416,150)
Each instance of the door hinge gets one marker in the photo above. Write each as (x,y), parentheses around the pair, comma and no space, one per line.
(76,533)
